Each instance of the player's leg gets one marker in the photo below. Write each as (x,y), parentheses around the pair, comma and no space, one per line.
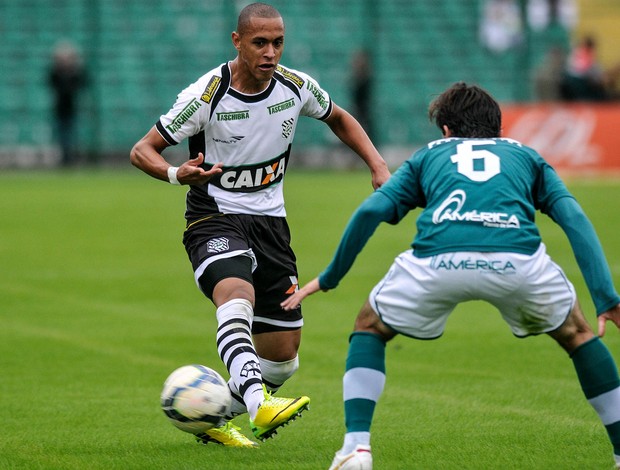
(596,370)
(223,263)
(276,333)
(540,301)
(237,351)
(277,336)
(278,357)
(277,351)
(234,298)
(278,361)
(405,307)
(363,383)
(365,366)
(240,352)
(227,283)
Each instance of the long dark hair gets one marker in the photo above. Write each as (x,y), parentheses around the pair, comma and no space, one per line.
(467,110)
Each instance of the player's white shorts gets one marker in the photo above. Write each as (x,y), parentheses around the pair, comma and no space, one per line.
(417,295)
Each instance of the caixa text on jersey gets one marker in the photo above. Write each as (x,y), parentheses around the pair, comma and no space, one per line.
(251,178)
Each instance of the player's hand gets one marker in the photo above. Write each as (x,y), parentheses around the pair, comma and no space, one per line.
(192,173)
(295,299)
(380,176)
(612,315)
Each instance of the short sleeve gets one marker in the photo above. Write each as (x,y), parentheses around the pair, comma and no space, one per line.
(316,101)
(190,112)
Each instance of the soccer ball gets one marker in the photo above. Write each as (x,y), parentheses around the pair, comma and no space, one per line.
(195,398)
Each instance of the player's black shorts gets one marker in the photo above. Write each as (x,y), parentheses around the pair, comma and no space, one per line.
(254,248)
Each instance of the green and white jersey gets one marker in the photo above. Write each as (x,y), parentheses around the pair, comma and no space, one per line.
(477,195)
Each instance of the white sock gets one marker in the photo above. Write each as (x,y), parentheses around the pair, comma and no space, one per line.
(236,349)
(237,406)
(276,373)
(353,439)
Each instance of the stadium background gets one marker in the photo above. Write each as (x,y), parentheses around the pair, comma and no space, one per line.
(98,304)
(141,53)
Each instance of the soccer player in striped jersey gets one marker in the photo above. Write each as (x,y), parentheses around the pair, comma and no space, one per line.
(476,240)
(240,120)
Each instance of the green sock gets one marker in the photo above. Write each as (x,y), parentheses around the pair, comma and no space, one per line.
(363,380)
(598,376)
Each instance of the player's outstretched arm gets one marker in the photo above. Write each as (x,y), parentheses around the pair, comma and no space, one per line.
(569,215)
(612,315)
(375,209)
(295,299)
(350,131)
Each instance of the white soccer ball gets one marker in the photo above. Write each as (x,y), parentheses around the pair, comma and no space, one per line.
(195,398)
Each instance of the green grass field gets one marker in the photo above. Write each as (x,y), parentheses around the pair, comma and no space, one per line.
(98,306)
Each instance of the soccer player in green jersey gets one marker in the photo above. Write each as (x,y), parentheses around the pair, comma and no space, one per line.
(476,240)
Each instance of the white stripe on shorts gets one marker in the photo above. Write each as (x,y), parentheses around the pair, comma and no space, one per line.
(286,324)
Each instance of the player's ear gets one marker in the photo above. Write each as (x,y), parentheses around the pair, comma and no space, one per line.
(236,40)
(446,132)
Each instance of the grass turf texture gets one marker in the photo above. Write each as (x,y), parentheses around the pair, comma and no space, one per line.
(98,306)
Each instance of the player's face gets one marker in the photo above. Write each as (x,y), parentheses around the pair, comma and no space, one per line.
(260,47)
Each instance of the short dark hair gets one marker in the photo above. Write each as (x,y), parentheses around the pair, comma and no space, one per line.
(467,110)
(255,10)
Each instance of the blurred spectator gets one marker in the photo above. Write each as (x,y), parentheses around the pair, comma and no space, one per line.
(501,27)
(361,91)
(549,76)
(66,78)
(584,79)
(543,13)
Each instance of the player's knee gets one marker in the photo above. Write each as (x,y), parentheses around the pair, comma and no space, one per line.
(368,321)
(232,288)
(574,331)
